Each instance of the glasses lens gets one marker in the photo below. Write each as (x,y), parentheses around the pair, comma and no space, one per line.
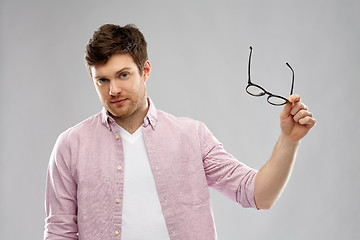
(274,100)
(255,90)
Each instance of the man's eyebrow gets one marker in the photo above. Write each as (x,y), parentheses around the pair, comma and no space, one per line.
(116,74)
(100,77)
(122,70)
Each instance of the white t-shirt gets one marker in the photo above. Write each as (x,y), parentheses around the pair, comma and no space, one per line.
(142,215)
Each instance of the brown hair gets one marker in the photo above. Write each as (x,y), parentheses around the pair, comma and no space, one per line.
(110,39)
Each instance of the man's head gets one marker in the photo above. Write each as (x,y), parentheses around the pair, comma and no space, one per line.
(110,39)
(116,58)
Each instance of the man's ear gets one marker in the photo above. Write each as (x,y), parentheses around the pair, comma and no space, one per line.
(146,70)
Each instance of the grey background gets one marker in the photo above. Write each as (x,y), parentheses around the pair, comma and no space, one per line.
(199,52)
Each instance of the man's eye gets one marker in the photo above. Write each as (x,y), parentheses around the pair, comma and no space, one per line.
(124,75)
(102,81)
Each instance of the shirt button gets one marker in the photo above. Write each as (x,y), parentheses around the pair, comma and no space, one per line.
(117,136)
(116,233)
(119,168)
(117,200)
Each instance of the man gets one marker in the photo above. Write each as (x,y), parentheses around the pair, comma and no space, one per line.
(135,172)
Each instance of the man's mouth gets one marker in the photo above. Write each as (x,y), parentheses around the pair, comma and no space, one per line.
(118,101)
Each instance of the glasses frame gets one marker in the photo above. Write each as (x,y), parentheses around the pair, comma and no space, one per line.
(271,95)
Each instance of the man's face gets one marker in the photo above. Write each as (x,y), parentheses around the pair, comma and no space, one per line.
(121,87)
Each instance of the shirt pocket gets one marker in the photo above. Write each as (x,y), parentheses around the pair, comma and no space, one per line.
(190,183)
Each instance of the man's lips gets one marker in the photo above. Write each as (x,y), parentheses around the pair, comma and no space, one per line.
(118,101)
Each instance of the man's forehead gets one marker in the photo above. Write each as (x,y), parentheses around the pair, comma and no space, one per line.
(115,64)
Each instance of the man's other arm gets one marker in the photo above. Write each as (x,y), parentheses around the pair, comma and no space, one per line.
(295,122)
(60,200)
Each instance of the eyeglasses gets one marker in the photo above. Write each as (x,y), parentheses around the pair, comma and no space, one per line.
(258,91)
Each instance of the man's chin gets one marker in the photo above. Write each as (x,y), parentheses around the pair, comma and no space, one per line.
(116,113)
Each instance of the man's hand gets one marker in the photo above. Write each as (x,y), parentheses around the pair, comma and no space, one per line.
(295,119)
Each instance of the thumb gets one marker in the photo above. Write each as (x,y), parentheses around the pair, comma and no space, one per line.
(286,111)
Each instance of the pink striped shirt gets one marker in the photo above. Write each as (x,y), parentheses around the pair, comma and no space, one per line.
(86,171)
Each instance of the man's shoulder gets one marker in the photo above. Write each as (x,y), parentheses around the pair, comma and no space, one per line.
(178,122)
(185,128)
(165,116)
(83,127)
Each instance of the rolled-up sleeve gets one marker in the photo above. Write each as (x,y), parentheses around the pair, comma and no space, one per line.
(225,173)
(60,196)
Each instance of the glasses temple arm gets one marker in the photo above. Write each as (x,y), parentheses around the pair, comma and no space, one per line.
(249,81)
(293,76)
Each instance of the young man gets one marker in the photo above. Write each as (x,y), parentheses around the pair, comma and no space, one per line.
(135,172)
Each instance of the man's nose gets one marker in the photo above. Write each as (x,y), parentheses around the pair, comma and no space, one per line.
(115,88)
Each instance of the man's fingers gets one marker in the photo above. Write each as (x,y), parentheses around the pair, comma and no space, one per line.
(286,111)
(298,111)
(301,114)
(298,106)
(296,118)
(294,98)
(308,121)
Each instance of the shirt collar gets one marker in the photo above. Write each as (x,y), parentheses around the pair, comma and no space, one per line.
(150,118)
